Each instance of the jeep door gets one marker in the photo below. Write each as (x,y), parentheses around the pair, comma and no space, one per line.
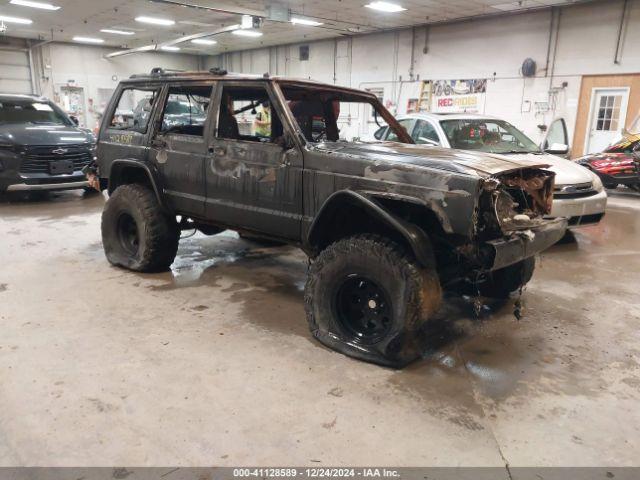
(253,171)
(124,130)
(179,144)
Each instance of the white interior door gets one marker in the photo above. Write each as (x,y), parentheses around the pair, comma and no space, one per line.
(608,114)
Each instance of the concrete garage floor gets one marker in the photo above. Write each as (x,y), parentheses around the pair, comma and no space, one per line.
(212,363)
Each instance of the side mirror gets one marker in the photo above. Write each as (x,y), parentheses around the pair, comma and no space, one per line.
(74,119)
(557,149)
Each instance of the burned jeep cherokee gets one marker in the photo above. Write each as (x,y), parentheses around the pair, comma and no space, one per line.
(387,225)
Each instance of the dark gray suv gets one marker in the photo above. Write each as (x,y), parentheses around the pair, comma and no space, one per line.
(41,148)
(387,225)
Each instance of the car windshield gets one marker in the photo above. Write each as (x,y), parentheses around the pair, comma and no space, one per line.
(31,111)
(334,116)
(487,135)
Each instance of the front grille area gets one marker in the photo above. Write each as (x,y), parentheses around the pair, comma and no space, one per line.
(38,159)
(579,190)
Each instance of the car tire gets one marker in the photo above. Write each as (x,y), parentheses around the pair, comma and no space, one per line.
(501,283)
(136,233)
(366,297)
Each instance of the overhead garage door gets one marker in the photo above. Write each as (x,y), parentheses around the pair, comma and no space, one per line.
(15,75)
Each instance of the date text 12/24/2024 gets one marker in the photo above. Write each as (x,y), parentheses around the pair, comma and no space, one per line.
(316,472)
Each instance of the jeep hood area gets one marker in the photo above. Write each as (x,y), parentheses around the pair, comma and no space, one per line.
(482,164)
(511,195)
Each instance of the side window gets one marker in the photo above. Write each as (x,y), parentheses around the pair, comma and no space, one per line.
(407,123)
(426,133)
(557,134)
(185,110)
(246,114)
(134,109)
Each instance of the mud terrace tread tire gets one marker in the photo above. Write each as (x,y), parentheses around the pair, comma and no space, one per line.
(503,282)
(414,293)
(158,233)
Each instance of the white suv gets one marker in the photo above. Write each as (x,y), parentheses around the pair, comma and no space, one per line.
(578,195)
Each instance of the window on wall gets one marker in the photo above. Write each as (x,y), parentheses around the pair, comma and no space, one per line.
(185,110)
(379,93)
(609,113)
(134,109)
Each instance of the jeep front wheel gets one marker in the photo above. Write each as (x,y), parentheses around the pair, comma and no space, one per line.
(136,233)
(367,298)
(501,283)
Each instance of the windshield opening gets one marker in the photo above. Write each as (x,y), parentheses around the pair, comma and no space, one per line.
(487,135)
(31,111)
(333,116)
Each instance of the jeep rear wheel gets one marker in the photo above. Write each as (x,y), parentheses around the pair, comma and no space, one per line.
(136,233)
(366,297)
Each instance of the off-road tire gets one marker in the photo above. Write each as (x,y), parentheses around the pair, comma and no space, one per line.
(157,233)
(501,283)
(413,292)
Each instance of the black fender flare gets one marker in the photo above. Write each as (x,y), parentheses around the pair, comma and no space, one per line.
(415,237)
(154,178)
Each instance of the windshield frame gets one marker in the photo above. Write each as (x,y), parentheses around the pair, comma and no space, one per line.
(365,97)
(501,123)
(65,120)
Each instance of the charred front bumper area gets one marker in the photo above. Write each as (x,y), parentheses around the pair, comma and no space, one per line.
(520,245)
(511,223)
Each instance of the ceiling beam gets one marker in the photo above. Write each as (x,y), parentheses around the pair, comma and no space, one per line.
(169,43)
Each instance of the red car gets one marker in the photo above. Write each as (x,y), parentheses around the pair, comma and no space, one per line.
(619,164)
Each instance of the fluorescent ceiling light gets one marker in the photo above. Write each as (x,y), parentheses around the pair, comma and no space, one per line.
(203,41)
(29,3)
(385,7)
(88,40)
(247,33)
(25,21)
(170,48)
(155,21)
(305,21)
(117,32)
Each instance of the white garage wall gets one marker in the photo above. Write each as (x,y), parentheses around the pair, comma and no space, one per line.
(473,49)
(86,67)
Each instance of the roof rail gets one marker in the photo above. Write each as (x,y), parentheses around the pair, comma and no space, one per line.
(163,71)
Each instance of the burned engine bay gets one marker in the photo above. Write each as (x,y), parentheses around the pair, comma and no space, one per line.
(514,202)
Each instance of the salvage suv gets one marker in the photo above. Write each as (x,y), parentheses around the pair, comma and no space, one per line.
(387,225)
(41,148)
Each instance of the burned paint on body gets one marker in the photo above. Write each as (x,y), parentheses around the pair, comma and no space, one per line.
(281,189)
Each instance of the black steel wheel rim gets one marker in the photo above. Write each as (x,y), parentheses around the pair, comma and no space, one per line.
(363,309)
(128,234)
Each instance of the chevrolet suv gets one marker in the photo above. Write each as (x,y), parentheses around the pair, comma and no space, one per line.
(387,225)
(41,148)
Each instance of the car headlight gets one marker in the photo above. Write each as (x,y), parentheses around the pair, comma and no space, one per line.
(597,183)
